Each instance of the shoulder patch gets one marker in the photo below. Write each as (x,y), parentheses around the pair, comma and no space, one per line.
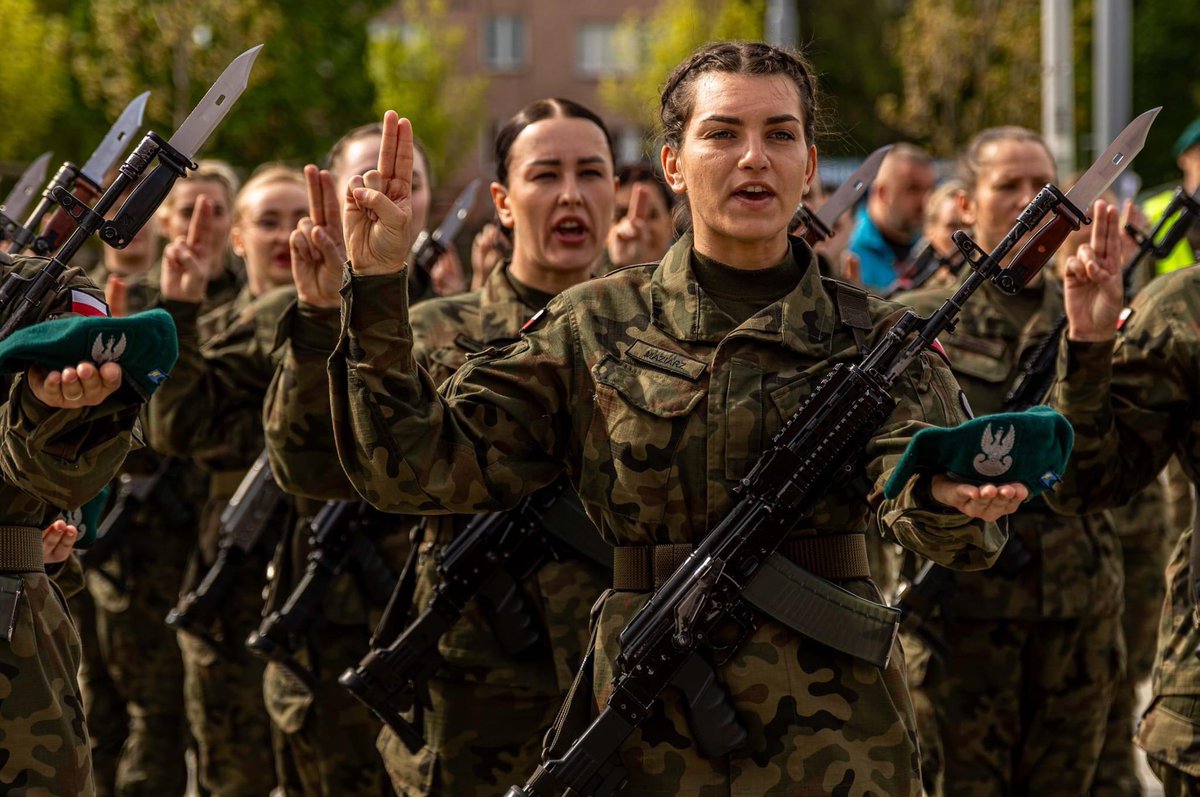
(534,322)
(670,361)
(87,305)
(1124,317)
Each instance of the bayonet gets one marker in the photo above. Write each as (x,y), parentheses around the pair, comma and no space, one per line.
(852,189)
(1073,206)
(21,195)
(430,246)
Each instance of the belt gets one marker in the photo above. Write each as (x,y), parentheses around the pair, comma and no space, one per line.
(21,549)
(793,587)
(642,568)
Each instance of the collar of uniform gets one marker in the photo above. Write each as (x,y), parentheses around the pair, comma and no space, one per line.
(501,311)
(802,320)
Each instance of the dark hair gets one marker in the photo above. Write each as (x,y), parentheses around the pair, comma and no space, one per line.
(536,111)
(736,58)
(971,162)
(643,172)
(372,130)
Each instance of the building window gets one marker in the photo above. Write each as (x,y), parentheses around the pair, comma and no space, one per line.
(595,55)
(504,42)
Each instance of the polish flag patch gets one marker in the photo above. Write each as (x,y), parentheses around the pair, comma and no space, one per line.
(937,346)
(88,305)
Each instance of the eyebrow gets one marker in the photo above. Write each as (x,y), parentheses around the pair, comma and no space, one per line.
(734,120)
(558,161)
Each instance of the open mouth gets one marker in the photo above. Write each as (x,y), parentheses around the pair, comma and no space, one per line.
(570,231)
(755,194)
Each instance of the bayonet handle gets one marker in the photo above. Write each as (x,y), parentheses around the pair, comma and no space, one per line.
(143,202)
(1037,251)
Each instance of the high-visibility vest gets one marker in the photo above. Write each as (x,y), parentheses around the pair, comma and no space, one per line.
(1182,255)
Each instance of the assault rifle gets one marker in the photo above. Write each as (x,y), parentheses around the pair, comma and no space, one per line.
(338,540)
(243,523)
(927,263)
(20,196)
(174,159)
(670,642)
(488,561)
(430,246)
(133,492)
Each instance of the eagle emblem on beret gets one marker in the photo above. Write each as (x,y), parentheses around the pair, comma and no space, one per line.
(107,351)
(994,459)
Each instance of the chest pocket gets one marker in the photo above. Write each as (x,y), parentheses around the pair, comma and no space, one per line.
(980,358)
(643,416)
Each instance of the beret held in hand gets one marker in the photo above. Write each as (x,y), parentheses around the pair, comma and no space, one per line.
(1030,447)
(86,519)
(144,345)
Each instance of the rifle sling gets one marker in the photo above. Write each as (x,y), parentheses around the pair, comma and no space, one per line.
(566,521)
(792,588)
(21,549)
(1193,578)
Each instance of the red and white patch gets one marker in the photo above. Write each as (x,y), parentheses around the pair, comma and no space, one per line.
(937,347)
(1123,318)
(86,304)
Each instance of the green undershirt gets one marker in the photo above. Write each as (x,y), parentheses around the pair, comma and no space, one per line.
(740,293)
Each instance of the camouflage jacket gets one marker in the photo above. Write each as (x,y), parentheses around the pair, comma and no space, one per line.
(446,332)
(655,404)
(57,459)
(1075,569)
(1130,417)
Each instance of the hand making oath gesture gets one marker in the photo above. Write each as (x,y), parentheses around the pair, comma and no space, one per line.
(378,211)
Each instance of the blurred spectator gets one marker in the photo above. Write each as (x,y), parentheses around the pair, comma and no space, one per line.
(889,224)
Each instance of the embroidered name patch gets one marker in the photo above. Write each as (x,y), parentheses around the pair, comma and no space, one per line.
(670,361)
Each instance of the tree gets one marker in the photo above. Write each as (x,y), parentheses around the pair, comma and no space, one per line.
(32,88)
(413,69)
(966,65)
(654,45)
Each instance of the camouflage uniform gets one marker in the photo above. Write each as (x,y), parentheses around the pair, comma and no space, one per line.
(655,405)
(49,459)
(138,586)
(490,710)
(1130,418)
(211,409)
(1034,656)
(325,744)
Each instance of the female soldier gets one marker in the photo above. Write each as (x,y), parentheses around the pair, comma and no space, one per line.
(490,709)
(214,415)
(1034,646)
(655,389)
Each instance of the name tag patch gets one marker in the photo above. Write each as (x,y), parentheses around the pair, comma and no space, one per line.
(669,361)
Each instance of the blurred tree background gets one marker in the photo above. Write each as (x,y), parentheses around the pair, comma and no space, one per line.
(931,71)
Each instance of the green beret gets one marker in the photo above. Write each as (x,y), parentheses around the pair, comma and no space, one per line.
(87,518)
(144,345)
(1188,138)
(1030,447)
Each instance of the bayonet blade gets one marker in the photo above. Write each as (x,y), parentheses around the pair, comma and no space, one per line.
(1112,161)
(205,117)
(459,211)
(852,189)
(116,140)
(18,199)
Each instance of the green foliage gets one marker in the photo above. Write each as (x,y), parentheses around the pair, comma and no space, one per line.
(32,86)
(1164,69)
(966,65)
(655,44)
(413,69)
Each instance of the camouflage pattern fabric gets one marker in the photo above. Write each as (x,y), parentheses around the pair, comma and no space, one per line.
(656,404)
(102,703)
(1146,542)
(1174,782)
(49,459)
(1130,417)
(1074,572)
(211,409)
(490,711)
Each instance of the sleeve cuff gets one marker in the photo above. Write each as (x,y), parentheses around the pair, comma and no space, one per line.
(1084,374)
(186,316)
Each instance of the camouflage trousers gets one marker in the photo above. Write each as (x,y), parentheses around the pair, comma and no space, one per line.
(44,746)
(145,665)
(917,654)
(480,739)
(1174,782)
(1022,705)
(1116,773)
(108,725)
(224,700)
(324,741)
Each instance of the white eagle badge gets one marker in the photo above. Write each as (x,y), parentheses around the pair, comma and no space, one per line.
(995,459)
(107,352)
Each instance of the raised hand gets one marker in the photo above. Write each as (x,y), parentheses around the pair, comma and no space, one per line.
(318,249)
(378,208)
(629,240)
(1093,289)
(983,501)
(447,274)
(189,260)
(85,385)
(116,296)
(486,251)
